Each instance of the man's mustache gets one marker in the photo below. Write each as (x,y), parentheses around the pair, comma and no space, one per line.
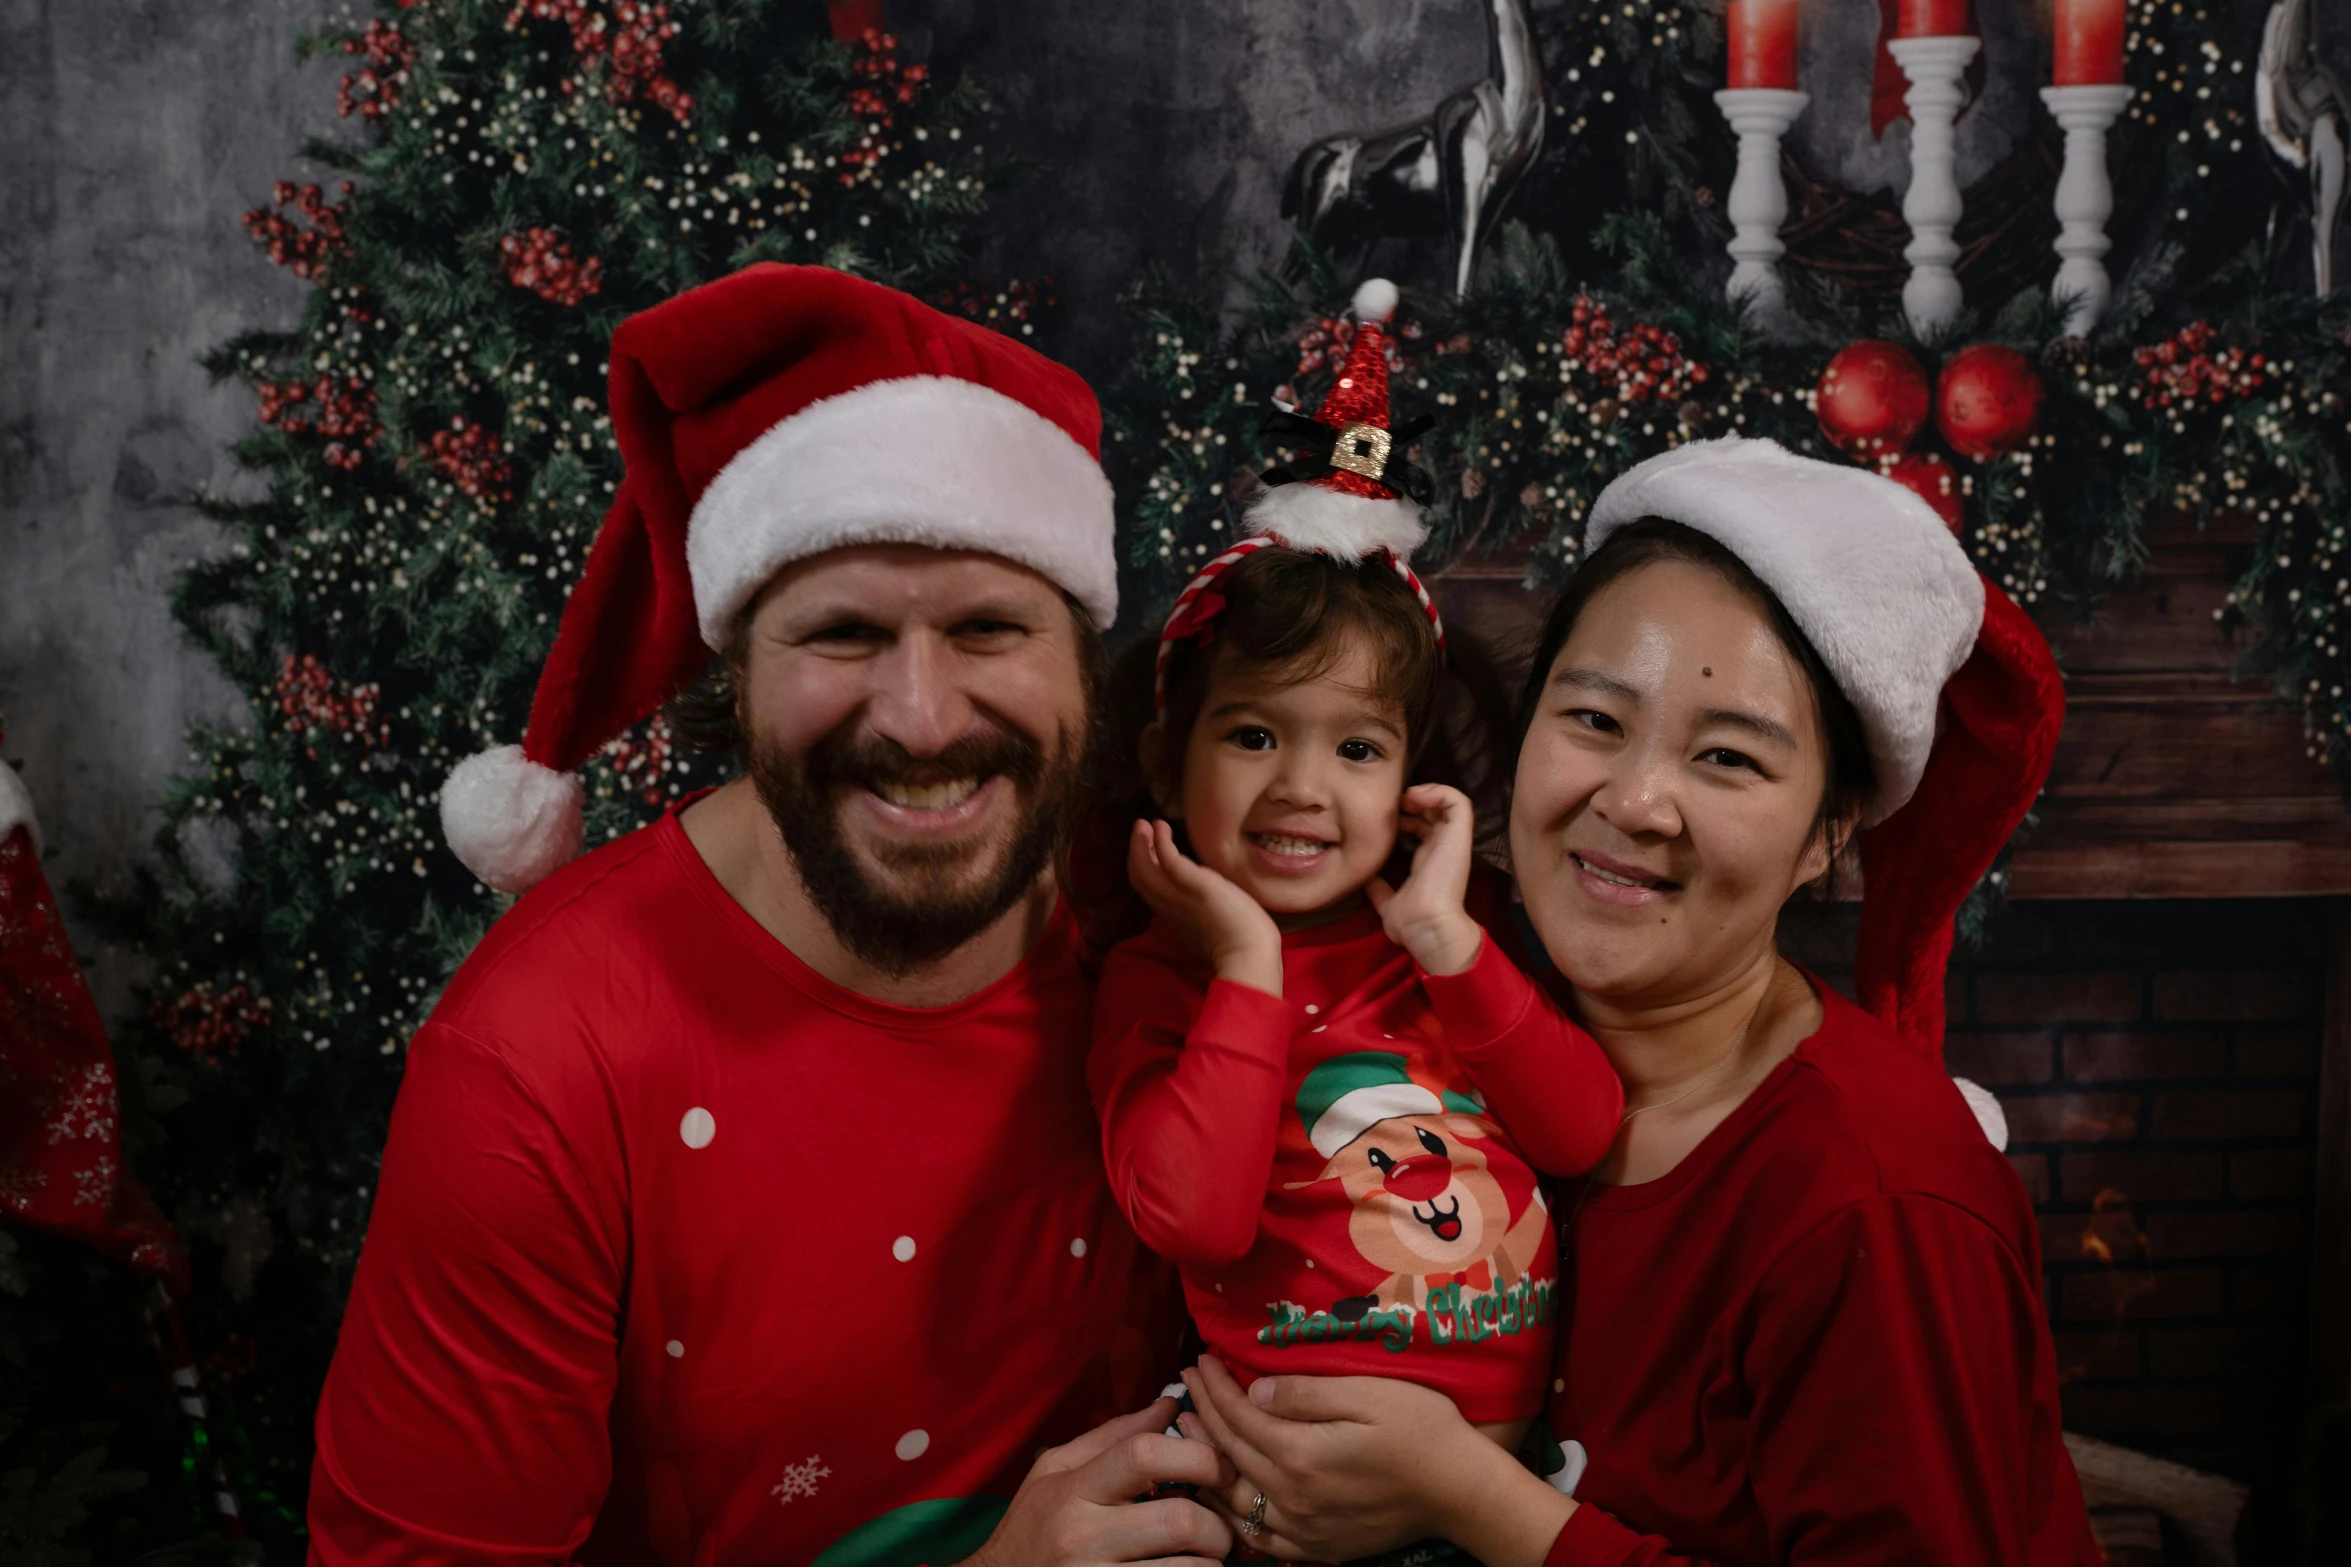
(868,760)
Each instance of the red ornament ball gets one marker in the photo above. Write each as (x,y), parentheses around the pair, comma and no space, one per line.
(1872,399)
(1932,480)
(1988,401)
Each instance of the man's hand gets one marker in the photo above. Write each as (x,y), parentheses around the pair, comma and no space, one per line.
(1230,928)
(1426,916)
(1077,1507)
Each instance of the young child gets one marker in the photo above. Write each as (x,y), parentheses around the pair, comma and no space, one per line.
(1325,1100)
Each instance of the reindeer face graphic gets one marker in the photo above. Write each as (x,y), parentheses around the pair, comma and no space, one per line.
(1424,1201)
(1424,1205)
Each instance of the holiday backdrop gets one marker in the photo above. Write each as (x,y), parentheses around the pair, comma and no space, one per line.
(246,622)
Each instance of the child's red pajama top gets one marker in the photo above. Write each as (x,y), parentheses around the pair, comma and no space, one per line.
(1345,1174)
(1819,1338)
(683,1254)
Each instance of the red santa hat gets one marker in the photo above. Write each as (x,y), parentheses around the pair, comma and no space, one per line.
(1955,687)
(764,419)
(1351,493)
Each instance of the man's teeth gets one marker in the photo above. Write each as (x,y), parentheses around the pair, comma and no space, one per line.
(1611,876)
(1283,843)
(928,797)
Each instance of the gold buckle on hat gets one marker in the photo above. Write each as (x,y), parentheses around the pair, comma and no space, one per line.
(1361,448)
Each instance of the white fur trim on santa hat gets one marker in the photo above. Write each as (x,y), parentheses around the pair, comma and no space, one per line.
(1866,569)
(1309,516)
(510,820)
(16,807)
(927,460)
(1988,1113)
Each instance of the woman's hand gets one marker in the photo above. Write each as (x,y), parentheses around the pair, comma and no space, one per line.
(1426,916)
(1230,929)
(1351,1466)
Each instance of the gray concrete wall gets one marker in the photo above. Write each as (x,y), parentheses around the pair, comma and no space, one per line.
(132,135)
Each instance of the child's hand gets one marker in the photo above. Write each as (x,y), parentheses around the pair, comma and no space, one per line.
(1425,916)
(1230,928)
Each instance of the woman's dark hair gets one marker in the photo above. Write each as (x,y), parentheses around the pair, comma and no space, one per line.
(1294,614)
(1851,778)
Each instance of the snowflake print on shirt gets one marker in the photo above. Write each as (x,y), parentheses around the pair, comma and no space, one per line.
(799,1480)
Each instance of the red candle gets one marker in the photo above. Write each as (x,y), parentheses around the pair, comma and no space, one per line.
(2089,42)
(1762,38)
(1933,19)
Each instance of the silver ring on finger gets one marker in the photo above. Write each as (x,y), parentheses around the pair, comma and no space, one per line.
(1254,1524)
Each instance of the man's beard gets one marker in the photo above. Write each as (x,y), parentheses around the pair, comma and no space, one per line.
(929,898)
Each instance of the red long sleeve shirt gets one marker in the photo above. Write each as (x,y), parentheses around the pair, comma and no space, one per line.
(1819,1338)
(1342,1173)
(683,1254)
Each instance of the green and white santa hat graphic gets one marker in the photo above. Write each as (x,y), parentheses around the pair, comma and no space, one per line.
(1344,1097)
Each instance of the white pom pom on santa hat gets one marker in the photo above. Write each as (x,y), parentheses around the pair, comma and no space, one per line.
(1375,300)
(511,821)
(1988,1113)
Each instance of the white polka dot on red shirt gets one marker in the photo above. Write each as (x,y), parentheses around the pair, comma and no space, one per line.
(1077,1248)
(677,1351)
(697,1127)
(903,1248)
(1312,1009)
(913,1445)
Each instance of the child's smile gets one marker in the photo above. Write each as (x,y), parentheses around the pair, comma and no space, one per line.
(1290,785)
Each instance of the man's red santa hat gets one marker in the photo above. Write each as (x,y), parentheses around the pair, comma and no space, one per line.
(764,419)
(1955,687)
(1351,493)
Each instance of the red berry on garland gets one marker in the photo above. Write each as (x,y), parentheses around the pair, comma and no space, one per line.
(1872,399)
(1931,479)
(1988,400)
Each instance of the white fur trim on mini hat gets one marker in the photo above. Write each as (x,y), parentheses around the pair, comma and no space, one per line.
(1314,517)
(927,460)
(16,807)
(1866,569)
(510,820)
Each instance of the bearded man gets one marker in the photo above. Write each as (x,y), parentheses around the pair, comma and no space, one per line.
(743,1201)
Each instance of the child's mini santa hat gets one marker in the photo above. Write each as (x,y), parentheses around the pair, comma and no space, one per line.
(1351,493)
(766,418)
(1955,686)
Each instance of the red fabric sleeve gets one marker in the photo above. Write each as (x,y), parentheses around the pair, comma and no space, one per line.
(464,1417)
(1189,1088)
(1905,1405)
(1549,1082)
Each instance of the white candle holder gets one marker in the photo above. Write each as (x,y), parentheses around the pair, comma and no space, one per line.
(1932,206)
(1758,202)
(2084,201)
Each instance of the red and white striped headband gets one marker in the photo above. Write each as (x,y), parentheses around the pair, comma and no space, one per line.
(1197,607)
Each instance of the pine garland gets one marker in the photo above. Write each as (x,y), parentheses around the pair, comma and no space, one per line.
(1536,410)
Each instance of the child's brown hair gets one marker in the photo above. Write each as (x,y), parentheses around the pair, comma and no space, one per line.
(1293,613)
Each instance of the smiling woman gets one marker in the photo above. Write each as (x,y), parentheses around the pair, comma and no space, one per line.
(1800,1317)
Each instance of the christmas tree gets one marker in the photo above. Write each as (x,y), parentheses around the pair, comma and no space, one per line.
(514,180)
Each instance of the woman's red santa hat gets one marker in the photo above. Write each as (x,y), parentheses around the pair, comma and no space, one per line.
(764,419)
(1955,686)
(1351,493)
